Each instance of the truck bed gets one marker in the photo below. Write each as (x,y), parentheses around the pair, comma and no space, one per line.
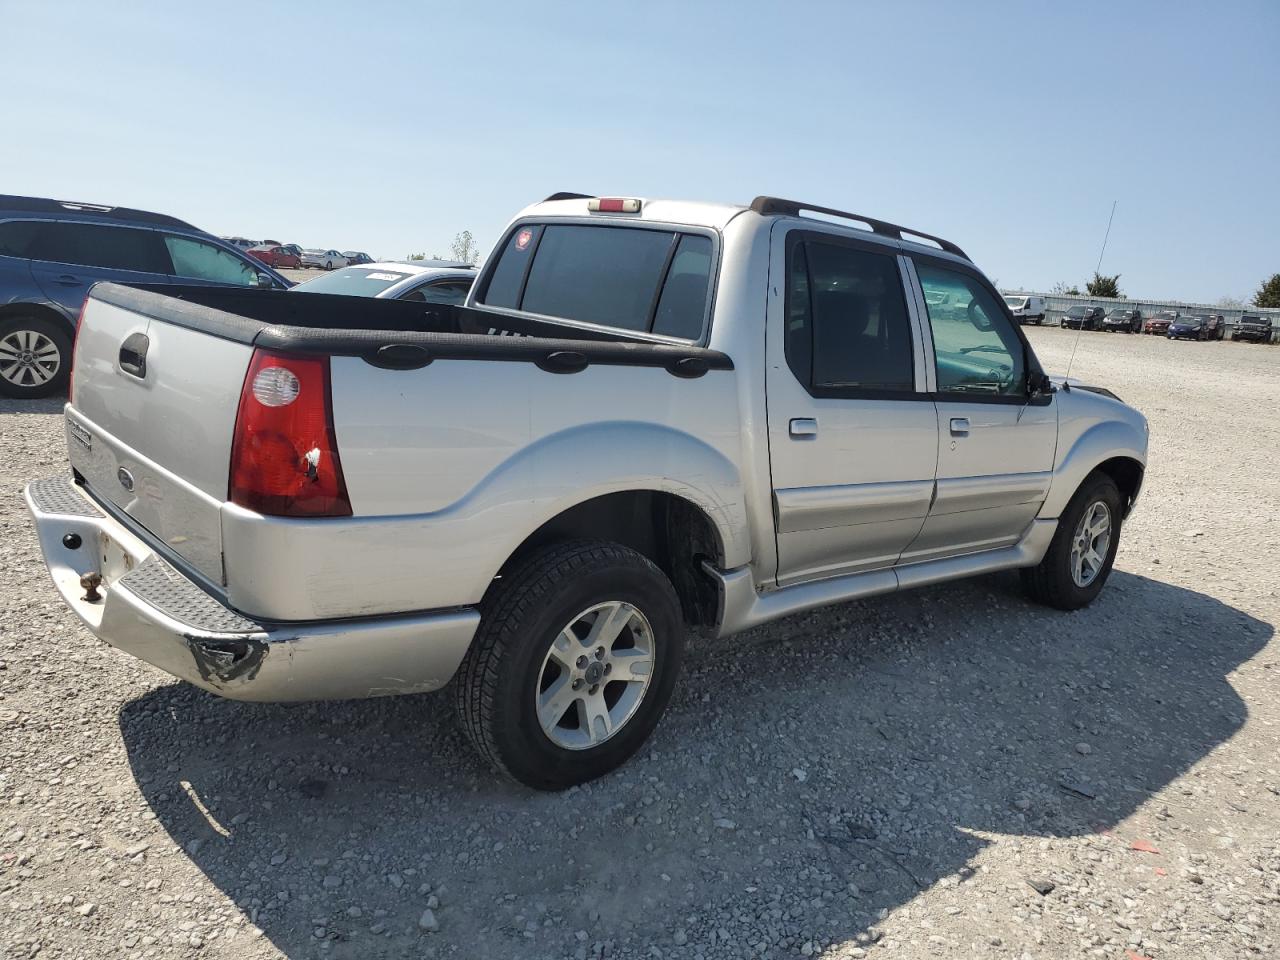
(459,431)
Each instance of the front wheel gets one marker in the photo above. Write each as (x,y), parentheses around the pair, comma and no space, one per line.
(1083,549)
(577,653)
(35,357)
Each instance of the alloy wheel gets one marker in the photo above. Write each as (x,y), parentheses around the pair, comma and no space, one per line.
(28,358)
(1091,543)
(595,675)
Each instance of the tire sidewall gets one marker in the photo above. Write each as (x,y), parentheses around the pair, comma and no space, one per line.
(1091,491)
(531,756)
(55,332)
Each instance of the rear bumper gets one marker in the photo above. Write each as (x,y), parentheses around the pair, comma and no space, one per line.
(153,611)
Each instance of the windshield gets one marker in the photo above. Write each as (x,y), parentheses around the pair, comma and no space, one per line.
(1076,312)
(1120,313)
(353,282)
(1016,302)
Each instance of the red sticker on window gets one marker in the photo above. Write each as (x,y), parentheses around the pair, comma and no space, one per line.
(523,238)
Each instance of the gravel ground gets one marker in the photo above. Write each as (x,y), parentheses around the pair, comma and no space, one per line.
(945,773)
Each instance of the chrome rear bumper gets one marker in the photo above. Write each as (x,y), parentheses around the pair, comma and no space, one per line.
(153,611)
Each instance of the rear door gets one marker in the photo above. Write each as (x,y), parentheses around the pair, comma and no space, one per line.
(853,435)
(995,449)
(68,257)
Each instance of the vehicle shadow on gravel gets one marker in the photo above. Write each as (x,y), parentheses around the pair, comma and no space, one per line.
(52,404)
(871,744)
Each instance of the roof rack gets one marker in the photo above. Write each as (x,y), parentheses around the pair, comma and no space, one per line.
(563,195)
(45,205)
(775,205)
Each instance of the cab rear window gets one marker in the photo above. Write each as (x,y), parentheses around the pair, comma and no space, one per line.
(654,281)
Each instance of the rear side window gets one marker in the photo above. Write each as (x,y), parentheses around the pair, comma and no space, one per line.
(95,245)
(17,237)
(444,291)
(204,261)
(847,330)
(633,278)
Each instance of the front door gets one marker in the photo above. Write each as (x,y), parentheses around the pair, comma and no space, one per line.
(853,435)
(995,447)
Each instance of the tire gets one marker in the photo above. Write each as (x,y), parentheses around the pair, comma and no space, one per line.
(513,660)
(35,357)
(1052,582)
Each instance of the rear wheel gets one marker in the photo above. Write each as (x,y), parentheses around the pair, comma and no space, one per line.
(578,650)
(1083,549)
(35,357)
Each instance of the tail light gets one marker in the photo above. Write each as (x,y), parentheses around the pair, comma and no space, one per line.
(75,339)
(284,456)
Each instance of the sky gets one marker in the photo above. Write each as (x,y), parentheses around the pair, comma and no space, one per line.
(1008,128)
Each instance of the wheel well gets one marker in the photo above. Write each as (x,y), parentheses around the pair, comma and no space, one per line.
(1126,473)
(669,530)
(10,310)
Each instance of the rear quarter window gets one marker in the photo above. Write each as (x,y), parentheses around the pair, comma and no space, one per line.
(633,278)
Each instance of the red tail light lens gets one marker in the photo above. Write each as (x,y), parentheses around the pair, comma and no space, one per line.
(284,457)
(75,339)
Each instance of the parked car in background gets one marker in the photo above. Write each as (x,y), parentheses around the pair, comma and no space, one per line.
(52,252)
(356,257)
(1126,319)
(1253,328)
(1187,328)
(1026,309)
(294,249)
(430,281)
(1083,318)
(1217,327)
(1159,323)
(275,256)
(322,259)
(241,242)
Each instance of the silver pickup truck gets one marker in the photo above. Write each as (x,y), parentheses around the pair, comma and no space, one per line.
(649,416)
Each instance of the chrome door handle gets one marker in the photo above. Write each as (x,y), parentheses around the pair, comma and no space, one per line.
(959,426)
(804,427)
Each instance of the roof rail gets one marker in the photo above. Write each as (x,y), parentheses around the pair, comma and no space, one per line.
(563,195)
(775,205)
(45,205)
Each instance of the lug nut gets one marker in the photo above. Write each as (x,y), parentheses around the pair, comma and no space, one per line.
(577,684)
(594,688)
(582,663)
(599,653)
(608,668)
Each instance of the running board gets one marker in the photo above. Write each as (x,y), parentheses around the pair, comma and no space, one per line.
(742,607)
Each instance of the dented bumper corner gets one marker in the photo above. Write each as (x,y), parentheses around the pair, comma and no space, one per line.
(153,611)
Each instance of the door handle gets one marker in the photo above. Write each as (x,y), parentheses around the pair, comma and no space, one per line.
(803,427)
(959,426)
(133,355)
(67,280)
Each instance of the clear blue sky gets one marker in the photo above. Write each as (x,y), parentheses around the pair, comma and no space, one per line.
(1008,128)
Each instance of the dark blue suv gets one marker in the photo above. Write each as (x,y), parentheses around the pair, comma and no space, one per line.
(52,252)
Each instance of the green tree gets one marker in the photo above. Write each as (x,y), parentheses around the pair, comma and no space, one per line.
(1268,294)
(1101,286)
(1060,289)
(417,256)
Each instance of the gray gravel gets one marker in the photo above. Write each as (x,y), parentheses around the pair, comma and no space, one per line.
(947,773)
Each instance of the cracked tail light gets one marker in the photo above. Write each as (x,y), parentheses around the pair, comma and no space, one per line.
(284,455)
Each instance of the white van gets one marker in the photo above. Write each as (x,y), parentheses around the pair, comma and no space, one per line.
(1026,309)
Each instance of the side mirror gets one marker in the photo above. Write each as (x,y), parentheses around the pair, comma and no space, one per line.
(1039,385)
(265,281)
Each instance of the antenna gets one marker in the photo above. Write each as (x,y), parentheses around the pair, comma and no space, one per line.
(1079,330)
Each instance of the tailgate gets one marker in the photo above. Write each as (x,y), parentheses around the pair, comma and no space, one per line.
(150,424)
